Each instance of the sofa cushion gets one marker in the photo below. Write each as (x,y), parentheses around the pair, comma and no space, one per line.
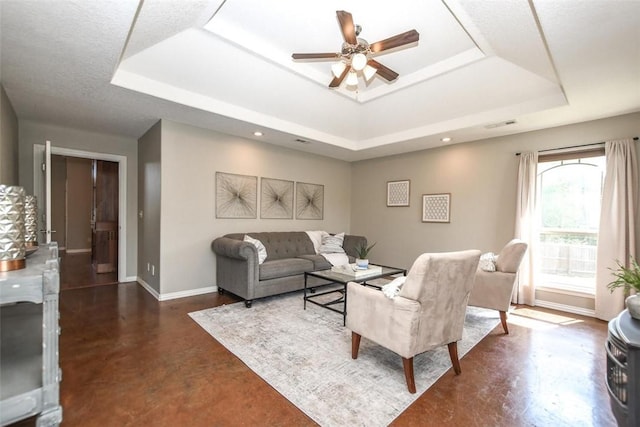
(284,267)
(319,262)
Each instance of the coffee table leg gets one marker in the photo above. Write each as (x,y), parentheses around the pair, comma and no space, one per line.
(344,311)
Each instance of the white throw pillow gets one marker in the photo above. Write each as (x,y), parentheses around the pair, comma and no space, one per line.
(332,244)
(316,238)
(262,251)
(488,261)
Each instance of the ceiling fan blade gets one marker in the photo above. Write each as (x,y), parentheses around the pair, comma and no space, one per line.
(337,80)
(395,41)
(347,27)
(384,72)
(315,55)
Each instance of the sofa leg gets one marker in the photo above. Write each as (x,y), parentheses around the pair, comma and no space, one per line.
(453,354)
(407,363)
(355,344)
(503,320)
(247,303)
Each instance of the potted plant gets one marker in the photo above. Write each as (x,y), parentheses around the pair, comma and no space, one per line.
(628,278)
(362,251)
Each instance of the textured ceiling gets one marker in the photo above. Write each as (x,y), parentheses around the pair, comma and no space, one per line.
(118,66)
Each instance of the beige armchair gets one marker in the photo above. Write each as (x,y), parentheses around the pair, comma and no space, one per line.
(428,312)
(493,289)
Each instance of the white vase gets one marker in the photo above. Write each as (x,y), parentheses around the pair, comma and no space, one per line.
(362,264)
(633,305)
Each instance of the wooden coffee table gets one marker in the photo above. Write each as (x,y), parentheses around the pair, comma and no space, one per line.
(334,278)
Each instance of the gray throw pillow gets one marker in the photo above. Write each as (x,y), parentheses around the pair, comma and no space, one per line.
(332,244)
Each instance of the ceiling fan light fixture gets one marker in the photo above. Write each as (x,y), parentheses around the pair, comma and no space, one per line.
(359,61)
(369,72)
(338,68)
(352,78)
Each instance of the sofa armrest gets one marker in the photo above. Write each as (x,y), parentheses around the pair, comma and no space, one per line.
(237,268)
(233,248)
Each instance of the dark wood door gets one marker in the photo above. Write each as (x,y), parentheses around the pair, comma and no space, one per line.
(105,224)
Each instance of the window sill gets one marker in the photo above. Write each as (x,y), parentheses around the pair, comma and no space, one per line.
(576,291)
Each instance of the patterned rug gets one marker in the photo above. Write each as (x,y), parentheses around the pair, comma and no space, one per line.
(306,356)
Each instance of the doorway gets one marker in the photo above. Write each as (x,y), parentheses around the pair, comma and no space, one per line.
(84,208)
(40,191)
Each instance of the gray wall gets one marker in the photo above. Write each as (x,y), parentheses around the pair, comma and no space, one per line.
(149,196)
(8,141)
(481,177)
(190,158)
(32,132)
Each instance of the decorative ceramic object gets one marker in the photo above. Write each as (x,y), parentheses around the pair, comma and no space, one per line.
(633,305)
(12,230)
(30,221)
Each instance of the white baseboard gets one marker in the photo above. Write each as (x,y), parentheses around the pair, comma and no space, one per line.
(189,293)
(78,251)
(148,288)
(176,295)
(567,308)
(131,279)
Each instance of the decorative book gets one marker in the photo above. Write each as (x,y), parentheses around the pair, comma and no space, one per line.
(353,271)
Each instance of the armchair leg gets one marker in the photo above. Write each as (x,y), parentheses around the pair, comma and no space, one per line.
(453,354)
(408,374)
(355,344)
(503,320)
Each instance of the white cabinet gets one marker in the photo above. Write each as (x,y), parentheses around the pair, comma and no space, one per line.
(29,371)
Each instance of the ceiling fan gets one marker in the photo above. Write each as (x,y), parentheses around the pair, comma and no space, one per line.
(356,53)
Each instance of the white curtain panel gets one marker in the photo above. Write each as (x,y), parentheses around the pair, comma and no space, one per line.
(526,226)
(617,234)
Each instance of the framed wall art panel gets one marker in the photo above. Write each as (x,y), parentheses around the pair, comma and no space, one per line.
(435,207)
(309,201)
(398,193)
(236,195)
(276,199)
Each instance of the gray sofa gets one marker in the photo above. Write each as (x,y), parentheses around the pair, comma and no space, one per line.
(289,255)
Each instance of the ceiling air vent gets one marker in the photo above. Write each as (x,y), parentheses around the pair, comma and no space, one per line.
(500,124)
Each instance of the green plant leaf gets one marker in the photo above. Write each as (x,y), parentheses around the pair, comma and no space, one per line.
(626,277)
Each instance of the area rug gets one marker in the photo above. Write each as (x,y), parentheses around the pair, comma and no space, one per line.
(306,356)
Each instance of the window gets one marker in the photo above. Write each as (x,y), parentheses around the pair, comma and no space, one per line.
(570,194)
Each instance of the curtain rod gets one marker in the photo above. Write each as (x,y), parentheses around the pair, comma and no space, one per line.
(635,138)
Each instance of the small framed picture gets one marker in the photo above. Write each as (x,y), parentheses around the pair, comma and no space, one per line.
(435,207)
(398,193)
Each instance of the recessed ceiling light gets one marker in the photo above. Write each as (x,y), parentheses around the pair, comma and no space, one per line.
(445,139)
(258,133)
